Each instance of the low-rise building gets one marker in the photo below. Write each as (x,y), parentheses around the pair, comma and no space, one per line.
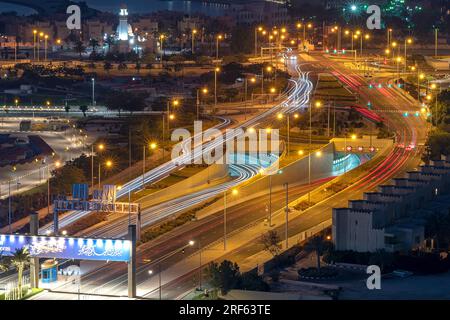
(393,218)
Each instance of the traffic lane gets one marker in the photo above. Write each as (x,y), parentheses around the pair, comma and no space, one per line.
(207,231)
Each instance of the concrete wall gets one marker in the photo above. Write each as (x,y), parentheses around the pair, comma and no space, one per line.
(365,142)
(294,173)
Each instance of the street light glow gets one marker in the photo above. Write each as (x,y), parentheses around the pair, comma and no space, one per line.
(234,192)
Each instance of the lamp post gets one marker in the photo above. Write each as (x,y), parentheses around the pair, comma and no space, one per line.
(407,41)
(170,116)
(41,34)
(152,146)
(436,42)
(100,147)
(252,80)
(34,43)
(286,210)
(216,70)
(219,37)
(93,91)
(233,192)
(161,40)
(108,164)
(399,59)
(194,31)
(420,76)
(45,47)
(260,29)
(204,91)
(280,117)
(318,104)
(57,165)
(389,36)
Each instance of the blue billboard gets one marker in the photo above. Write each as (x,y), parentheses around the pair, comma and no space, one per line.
(67,248)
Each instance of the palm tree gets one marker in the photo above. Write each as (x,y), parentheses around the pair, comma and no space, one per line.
(20,260)
(318,245)
(79,47)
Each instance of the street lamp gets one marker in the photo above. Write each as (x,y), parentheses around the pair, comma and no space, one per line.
(152,146)
(317,104)
(194,32)
(100,148)
(34,43)
(45,47)
(41,34)
(407,41)
(93,91)
(161,40)
(108,164)
(204,91)
(252,80)
(234,192)
(398,60)
(216,70)
(57,165)
(280,117)
(260,29)
(219,37)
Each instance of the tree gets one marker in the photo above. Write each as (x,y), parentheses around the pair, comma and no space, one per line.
(4,264)
(84,108)
(65,177)
(119,100)
(271,242)
(20,260)
(138,67)
(79,48)
(67,108)
(438,228)
(224,276)
(251,281)
(107,66)
(122,66)
(94,44)
(318,245)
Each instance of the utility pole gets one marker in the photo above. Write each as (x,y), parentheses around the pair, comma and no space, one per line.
(436,42)
(225,221)
(286,186)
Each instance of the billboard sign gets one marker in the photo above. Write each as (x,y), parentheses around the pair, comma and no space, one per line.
(67,248)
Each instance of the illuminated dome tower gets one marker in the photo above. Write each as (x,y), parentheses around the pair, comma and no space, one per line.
(124,30)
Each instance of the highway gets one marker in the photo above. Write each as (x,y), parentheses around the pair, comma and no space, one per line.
(410,131)
(296,97)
